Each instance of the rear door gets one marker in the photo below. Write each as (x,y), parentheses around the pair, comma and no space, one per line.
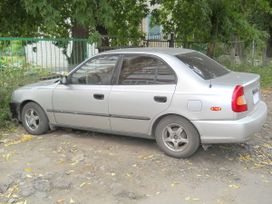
(144,89)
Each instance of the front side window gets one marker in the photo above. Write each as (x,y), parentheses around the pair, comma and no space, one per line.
(144,70)
(202,65)
(96,71)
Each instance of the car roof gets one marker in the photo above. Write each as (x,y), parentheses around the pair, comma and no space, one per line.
(152,50)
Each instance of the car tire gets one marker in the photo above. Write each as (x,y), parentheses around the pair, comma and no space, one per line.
(177,136)
(34,119)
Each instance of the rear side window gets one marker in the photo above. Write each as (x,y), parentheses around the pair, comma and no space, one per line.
(144,70)
(204,66)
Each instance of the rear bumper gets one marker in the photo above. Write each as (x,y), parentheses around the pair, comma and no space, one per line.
(15,112)
(232,131)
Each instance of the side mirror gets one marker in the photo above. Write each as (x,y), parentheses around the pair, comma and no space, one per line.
(63,79)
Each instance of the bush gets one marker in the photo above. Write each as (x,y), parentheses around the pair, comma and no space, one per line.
(10,79)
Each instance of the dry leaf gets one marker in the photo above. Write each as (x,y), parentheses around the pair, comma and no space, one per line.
(23,138)
(74,163)
(246,157)
(82,184)
(60,200)
(28,169)
(187,198)
(174,183)
(21,202)
(234,186)
(6,156)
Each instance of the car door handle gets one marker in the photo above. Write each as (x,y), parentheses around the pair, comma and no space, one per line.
(160,99)
(98,96)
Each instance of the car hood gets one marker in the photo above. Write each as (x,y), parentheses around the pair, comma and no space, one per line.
(41,84)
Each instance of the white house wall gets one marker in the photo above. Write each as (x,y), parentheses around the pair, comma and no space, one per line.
(45,54)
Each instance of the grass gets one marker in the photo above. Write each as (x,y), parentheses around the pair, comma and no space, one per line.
(10,79)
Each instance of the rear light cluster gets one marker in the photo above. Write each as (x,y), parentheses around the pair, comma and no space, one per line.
(238,99)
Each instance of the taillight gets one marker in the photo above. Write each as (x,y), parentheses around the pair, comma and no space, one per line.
(238,99)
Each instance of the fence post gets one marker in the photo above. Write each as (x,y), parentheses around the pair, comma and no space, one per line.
(253,53)
(147,43)
(171,41)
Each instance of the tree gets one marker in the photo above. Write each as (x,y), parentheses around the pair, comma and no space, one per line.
(80,19)
(127,18)
(187,20)
(70,18)
(261,16)
(206,20)
(14,20)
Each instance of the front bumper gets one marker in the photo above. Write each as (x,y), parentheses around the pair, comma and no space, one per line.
(15,111)
(232,131)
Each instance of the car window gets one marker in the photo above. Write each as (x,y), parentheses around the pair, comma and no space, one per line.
(144,70)
(202,65)
(96,71)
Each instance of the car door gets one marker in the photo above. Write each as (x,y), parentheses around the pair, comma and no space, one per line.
(144,89)
(83,102)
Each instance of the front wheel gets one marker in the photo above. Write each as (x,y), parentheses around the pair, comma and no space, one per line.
(34,119)
(177,137)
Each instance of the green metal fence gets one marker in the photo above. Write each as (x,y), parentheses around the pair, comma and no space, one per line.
(58,55)
(55,55)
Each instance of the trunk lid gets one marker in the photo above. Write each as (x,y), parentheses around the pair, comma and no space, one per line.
(250,82)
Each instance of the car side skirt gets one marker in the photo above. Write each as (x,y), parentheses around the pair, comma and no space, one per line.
(131,134)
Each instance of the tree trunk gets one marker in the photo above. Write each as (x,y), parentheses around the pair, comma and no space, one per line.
(211,47)
(105,41)
(269,46)
(214,34)
(79,47)
(264,57)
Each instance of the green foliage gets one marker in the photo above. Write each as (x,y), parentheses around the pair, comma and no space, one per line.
(187,19)
(209,20)
(10,79)
(127,17)
(59,18)
(15,21)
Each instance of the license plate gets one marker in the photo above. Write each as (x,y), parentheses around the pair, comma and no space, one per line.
(256,97)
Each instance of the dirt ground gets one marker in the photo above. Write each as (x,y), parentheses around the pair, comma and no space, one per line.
(67,166)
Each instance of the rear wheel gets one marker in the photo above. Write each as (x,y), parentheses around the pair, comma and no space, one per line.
(34,119)
(177,137)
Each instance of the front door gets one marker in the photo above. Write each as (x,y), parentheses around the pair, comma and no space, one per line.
(145,88)
(84,101)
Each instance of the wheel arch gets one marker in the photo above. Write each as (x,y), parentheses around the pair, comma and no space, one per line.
(26,102)
(156,122)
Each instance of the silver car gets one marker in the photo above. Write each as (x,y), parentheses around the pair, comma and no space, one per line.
(179,97)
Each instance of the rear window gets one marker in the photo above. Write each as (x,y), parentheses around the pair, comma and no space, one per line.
(204,66)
